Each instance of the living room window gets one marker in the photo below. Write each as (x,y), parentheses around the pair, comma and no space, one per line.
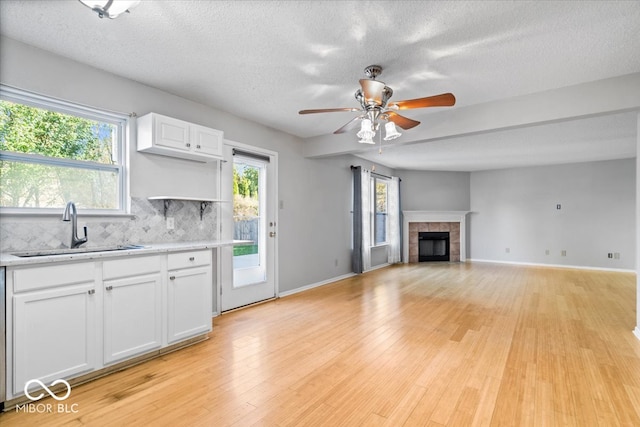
(380,210)
(53,151)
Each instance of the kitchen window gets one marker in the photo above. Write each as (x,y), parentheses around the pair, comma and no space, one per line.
(53,151)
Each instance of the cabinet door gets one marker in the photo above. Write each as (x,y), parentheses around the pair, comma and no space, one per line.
(189,303)
(54,334)
(172,133)
(132,316)
(206,140)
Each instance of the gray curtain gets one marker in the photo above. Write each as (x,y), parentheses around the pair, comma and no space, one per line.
(356,255)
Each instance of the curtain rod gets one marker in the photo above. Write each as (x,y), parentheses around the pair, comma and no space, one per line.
(376,173)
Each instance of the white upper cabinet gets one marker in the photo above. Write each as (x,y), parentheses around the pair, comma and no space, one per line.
(167,133)
(167,136)
(207,141)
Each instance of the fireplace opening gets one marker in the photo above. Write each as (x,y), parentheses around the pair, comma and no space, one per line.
(433,246)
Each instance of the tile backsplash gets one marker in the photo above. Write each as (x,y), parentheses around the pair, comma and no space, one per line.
(147,225)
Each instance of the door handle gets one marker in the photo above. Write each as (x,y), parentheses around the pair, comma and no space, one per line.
(272,234)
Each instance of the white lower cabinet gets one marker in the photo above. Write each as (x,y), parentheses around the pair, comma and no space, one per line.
(60,316)
(132,316)
(54,334)
(132,307)
(189,295)
(54,330)
(188,310)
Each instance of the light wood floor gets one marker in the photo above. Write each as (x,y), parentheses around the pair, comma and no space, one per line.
(438,345)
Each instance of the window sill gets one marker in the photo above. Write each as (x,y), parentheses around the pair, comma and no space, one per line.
(380,245)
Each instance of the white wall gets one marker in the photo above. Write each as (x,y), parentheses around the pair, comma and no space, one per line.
(516,209)
(434,190)
(314,222)
(637,329)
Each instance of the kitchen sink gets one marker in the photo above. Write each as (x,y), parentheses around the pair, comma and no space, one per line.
(67,251)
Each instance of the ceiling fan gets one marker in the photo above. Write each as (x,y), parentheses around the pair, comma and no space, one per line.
(373,97)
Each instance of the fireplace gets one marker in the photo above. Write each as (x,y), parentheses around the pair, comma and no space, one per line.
(433,246)
(415,222)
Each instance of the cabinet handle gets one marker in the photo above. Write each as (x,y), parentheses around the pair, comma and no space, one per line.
(192,258)
(91,291)
(197,146)
(109,288)
(172,277)
(188,144)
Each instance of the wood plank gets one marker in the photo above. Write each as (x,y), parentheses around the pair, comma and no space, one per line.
(437,344)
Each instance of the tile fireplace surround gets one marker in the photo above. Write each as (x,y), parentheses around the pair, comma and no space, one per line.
(452,221)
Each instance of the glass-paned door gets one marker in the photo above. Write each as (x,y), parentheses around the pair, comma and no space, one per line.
(249,218)
(249,181)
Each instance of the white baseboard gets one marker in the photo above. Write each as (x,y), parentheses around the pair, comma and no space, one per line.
(315,285)
(533,264)
(636,332)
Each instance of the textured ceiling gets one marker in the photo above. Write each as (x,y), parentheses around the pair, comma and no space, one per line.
(265,60)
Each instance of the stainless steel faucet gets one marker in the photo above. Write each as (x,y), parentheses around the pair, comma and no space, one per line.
(71,214)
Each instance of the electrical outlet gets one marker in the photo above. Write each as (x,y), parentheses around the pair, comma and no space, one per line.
(563,253)
(507,250)
(171,223)
(610,255)
(546,251)
(616,255)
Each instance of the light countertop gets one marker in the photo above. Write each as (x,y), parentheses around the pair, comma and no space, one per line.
(7,259)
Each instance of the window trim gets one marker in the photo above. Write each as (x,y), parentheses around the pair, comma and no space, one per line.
(122,124)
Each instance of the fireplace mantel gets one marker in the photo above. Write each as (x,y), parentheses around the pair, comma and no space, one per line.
(433,216)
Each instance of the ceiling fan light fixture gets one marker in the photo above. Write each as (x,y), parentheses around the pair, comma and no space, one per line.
(367,140)
(376,108)
(390,131)
(366,132)
(110,8)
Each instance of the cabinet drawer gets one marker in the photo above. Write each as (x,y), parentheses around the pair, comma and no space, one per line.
(127,267)
(28,279)
(180,260)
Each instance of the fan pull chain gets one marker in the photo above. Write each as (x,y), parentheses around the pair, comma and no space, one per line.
(380,139)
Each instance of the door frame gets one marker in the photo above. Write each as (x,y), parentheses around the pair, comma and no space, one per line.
(225,253)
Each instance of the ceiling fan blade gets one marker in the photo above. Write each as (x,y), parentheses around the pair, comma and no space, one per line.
(372,91)
(402,121)
(327,110)
(443,100)
(349,126)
